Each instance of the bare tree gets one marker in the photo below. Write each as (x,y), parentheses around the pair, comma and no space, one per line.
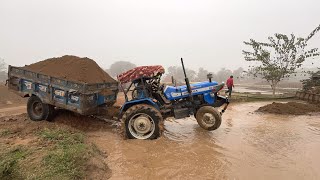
(280,57)
(3,67)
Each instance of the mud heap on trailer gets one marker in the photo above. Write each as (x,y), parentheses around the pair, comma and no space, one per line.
(71,68)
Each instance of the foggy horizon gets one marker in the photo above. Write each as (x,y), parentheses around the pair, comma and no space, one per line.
(206,34)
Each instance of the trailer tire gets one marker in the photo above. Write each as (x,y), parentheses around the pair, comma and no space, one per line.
(142,121)
(51,113)
(37,110)
(208,118)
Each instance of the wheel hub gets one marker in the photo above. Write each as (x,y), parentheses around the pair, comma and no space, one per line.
(37,108)
(142,124)
(209,119)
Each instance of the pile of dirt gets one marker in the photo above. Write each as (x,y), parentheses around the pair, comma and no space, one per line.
(9,99)
(290,108)
(72,68)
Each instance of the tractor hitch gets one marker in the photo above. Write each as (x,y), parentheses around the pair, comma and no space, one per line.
(225,106)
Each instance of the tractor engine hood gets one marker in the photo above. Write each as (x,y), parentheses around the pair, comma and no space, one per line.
(174,93)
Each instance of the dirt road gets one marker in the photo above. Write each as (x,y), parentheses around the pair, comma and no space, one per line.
(9,111)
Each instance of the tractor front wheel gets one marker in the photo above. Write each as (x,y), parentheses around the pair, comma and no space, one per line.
(208,118)
(142,121)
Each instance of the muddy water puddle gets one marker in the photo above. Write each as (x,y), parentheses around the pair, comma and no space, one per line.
(248,145)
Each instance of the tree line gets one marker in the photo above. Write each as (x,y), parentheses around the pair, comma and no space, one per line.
(201,75)
(177,72)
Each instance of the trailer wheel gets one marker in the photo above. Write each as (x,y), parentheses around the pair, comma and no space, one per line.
(208,118)
(51,114)
(37,110)
(142,121)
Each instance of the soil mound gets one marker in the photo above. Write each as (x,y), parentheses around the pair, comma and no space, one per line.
(290,108)
(9,99)
(71,68)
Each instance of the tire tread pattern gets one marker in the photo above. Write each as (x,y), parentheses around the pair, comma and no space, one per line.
(47,109)
(214,112)
(135,109)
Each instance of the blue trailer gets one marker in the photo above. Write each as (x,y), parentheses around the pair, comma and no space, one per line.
(47,92)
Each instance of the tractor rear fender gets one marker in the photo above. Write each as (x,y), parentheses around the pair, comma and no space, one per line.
(128,104)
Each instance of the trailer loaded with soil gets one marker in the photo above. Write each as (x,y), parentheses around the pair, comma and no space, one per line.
(69,82)
(80,85)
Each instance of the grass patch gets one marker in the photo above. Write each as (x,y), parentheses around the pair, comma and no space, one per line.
(57,154)
(9,163)
(67,157)
(62,137)
(5,132)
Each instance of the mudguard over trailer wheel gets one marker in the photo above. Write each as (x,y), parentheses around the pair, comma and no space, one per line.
(208,118)
(142,121)
(37,110)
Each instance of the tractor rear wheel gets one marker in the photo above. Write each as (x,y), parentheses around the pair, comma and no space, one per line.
(208,118)
(37,110)
(142,121)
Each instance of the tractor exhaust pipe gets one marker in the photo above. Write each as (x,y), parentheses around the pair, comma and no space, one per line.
(187,81)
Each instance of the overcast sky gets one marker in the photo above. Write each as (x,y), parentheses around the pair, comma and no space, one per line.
(207,34)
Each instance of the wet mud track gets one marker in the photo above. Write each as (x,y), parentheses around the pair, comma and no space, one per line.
(248,145)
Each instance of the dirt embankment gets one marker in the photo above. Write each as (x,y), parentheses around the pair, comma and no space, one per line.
(72,68)
(46,150)
(290,108)
(9,99)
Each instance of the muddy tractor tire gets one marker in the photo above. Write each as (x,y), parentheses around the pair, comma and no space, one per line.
(142,121)
(37,110)
(208,118)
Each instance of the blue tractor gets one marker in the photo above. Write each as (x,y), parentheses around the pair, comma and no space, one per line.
(148,102)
